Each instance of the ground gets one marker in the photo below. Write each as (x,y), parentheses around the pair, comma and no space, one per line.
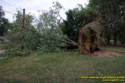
(62,67)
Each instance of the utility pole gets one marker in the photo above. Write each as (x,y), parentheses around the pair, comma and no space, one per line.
(23,25)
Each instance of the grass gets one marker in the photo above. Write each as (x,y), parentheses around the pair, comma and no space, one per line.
(62,67)
(119,49)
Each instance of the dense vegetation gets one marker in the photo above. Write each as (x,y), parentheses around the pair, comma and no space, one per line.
(111,13)
(52,33)
(76,18)
(25,38)
(3,22)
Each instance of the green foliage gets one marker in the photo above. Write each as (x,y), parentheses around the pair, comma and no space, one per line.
(23,41)
(18,23)
(76,18)
(52,40)
(3,23)
(1,12)
(47,37)
(50,18)
(32,39)
(48,25)
(112,13)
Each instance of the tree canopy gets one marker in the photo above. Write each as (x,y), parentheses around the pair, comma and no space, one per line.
(77,18)
(3,22)
(112,13)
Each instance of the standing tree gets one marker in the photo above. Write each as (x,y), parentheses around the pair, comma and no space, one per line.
(113,15)
(76,18)
(3,22)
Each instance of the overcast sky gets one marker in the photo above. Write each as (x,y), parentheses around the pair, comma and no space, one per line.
(35,6)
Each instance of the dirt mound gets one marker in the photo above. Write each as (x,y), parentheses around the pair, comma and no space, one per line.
(107,53)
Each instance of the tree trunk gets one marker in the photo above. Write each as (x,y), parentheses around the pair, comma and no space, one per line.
(115,39)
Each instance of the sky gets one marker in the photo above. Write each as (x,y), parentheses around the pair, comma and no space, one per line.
(35,7)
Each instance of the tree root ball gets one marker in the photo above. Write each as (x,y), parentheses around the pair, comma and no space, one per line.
(89,40)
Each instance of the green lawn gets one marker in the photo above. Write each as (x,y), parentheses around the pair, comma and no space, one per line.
(63,67)
(119,49)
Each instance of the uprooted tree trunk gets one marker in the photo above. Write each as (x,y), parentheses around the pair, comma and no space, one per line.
(89,38)
(88,41)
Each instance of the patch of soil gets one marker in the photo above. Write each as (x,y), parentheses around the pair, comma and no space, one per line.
(107,53)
